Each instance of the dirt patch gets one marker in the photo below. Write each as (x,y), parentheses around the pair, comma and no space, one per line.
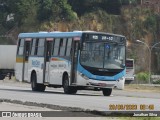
(142,88)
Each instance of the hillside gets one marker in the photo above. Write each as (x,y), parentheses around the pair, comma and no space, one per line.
(134,21)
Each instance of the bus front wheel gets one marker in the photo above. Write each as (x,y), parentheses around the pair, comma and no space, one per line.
(35,86)
(107,91)
(68,89)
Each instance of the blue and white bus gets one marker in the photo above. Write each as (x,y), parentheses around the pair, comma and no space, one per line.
(72,60)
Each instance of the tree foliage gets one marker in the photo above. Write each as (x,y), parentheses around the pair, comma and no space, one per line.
(25,11)
(83,6)
(151,23)
(112,6)
(46,10)
(54,9)
(41,10)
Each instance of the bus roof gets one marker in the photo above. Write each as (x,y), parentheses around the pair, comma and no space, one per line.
(129,59)
(60,34)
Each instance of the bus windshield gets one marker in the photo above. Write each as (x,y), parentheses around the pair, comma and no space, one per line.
(103,55)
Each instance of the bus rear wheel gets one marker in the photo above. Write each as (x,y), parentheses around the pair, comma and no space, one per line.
(35,86)
(68,89)
(107,91)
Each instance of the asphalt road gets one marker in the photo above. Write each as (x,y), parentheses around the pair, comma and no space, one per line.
(92,100)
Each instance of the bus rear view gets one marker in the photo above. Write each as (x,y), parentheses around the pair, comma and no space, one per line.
(129,77)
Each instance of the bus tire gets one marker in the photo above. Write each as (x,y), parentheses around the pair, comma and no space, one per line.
(68,89)
(107,91)
(41,87)
(35,86)
(10,75)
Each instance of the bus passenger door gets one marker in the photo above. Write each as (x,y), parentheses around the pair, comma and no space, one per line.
(74,61)
(25,60)
(48,48)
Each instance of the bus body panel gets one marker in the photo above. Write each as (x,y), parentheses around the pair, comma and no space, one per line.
(18,71)
(37,66)
(47,73)
(19,67)
(55,71)
(26,71)
(57,67)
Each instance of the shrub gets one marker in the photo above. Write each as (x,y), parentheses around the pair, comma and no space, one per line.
(143,77)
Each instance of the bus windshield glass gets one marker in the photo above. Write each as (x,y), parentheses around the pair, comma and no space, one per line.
(103,55)
(129,63)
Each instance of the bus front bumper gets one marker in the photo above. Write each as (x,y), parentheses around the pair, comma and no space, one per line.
(101,84)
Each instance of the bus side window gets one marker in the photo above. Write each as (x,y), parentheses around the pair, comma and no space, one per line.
(56,47)
(20,47)
(68,49)
(36,47)
(62,46)
(27,50)
(33,47)
(48,49)
(40,51)
(52,51)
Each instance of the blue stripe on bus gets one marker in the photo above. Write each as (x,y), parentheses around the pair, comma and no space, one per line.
(97,77)
(62,59)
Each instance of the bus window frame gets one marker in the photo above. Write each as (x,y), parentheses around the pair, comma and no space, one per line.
(56,48)
(21,46)
(40,52)
(34,47)
(67,47)
(53,43)
(61,49)
(132,64)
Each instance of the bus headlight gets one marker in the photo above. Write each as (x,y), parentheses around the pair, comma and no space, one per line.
(120,84)
(121,79)
(82,75)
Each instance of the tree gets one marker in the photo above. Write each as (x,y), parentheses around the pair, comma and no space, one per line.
(25,8)
(112,6)
(83,6)
(54,9)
